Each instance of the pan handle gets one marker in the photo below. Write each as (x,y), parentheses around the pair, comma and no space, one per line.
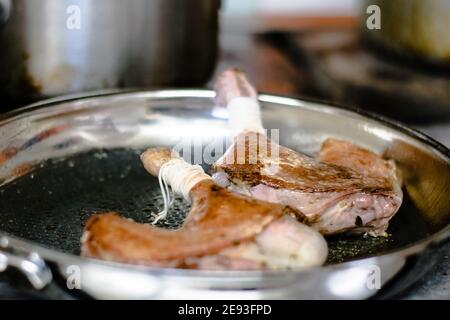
(5,10)
(30,264)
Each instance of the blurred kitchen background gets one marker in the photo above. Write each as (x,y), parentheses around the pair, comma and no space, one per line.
(307,48)
(314,49)
(324,50)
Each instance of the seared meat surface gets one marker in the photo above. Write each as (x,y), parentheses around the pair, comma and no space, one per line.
(223,230)
(346,189)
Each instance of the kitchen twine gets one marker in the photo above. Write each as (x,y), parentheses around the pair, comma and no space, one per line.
(244,114)
(177,176)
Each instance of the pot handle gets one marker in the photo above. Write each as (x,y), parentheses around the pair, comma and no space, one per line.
(30,264)
(5,10)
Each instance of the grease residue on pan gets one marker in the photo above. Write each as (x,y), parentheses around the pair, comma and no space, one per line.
(51,205)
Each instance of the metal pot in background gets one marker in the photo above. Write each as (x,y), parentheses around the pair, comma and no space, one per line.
(413,28)
(54,47)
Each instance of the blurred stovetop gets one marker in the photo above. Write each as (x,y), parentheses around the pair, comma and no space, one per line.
(278,69)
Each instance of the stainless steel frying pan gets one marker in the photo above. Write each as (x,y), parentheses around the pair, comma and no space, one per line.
(62,160)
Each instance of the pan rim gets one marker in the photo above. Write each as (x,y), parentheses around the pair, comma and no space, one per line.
(294,101)
(205,93)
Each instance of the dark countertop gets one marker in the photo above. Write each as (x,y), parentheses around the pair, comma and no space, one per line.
(436,283)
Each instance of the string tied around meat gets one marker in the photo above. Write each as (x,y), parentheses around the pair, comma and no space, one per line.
(177,177)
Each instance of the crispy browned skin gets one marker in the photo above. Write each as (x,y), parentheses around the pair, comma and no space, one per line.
(299,172)
(346,154)
(219,219)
